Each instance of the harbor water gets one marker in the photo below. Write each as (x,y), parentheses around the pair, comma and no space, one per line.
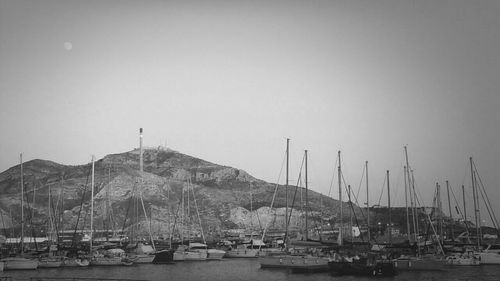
(243,270)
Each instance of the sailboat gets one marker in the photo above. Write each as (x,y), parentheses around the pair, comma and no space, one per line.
(20,262)
(102,256)
(490,255)
(297,262)
(365,264)
(419,262)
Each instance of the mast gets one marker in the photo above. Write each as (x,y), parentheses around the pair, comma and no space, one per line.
(449,209)
(411,192)
(22,205)
(50,221)
(389,206)
(92,208)
(307,199)
(465,214)
(440,211)
(367,202)
(286,193)
(340,200)
(476,203)
(408,230)
(350,211)
(415,208)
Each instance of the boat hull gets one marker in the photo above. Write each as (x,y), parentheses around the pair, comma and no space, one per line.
(179,256)
(242,253)
(164,256)
(49,263)
(416,264)
(213,254)
(106,261)
(19,264)
(490,258)
(72,262)
(195,256)
(298,263)
(142,258)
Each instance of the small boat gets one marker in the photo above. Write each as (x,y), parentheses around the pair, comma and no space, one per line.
(183,253)
(212,254)
(19,263)
(463,259)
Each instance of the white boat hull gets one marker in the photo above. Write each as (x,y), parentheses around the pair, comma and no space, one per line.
(195,256)
(179,256)
(490,257)
(214,254)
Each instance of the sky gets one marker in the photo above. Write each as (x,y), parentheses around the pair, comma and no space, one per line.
(230,81)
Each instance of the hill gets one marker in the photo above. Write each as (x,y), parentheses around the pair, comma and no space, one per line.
(173,189)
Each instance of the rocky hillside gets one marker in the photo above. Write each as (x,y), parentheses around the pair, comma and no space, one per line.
(173,189)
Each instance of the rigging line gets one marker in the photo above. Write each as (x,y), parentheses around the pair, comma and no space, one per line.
(459,210)
(494,219)
(274,195)
(73,240)
(431,225)
(333,177)
(457,205)
(198,213)
(361,180)
(350,202)
(296,188)
(485,199)
(354,213)
(355,197)
(382,193)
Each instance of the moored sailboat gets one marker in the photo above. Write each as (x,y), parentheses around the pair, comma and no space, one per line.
(20,262)
(297,262)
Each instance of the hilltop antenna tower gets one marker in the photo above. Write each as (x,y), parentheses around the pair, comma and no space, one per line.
(141,165)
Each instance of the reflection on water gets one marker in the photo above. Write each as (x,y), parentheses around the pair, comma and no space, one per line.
(244,270)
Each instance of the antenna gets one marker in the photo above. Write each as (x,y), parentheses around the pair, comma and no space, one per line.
(141,165)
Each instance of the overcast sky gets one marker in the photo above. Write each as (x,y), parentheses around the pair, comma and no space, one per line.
(229,81)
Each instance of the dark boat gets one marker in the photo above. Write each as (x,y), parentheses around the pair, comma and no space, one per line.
(362,266)
(164,256)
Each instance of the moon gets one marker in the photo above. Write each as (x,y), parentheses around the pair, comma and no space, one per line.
(68,46)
